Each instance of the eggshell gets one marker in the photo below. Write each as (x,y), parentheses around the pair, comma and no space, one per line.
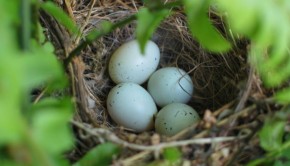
(175,117)
(131,106)
(170,85)
(127,64)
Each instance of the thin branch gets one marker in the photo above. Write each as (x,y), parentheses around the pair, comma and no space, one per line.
(227,120)
(110,136)
(86,21)
(40,95)
(133,159)
(247,91)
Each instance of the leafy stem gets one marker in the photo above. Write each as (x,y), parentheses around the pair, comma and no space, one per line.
(168,5)
(94,35)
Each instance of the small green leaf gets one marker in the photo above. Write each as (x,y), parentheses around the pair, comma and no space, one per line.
(40,34)
(60,16)
(271,135)
(48,47)
(100,155)
(283,96)
(104,28)
(50,125)
(172,154)
(147,23)
(202,29)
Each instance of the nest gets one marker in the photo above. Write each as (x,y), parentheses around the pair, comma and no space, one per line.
(223,84)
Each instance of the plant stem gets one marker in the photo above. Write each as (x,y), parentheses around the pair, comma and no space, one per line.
(167,5)
(97,35)
(25,32)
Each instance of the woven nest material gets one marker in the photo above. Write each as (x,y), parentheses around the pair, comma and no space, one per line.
(220,87)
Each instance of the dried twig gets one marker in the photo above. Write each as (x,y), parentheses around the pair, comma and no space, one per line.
(227,120)
(133,159)
(247,91)
(110,136)
(86,21)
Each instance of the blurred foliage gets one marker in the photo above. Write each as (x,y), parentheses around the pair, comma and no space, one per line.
(101,155)
(266,24)
(60,16)
(147,23)
(38,133)
(274,140)
(172,155)
(201,27)
(33,132)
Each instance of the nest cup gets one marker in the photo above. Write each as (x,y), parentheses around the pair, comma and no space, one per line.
(215,77)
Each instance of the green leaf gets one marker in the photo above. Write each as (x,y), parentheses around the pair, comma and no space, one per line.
(41,38)
(242,15)
(271,135)
(265,161)
(48,47)
(201,27)
(60,16)
(100,155)
(281,163)
(283,96)
(285,153)
(11,122)
(147,24)
(172,154)
(50,126)
(283,159)
(9,18)
(39,67)
(104,28)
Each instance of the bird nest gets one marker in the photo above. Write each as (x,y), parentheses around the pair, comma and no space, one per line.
(223,85)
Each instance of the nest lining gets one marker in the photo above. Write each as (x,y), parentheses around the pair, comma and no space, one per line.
(215,77)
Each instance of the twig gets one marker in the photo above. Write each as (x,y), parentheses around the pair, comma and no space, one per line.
(224,121)
(244,97)
(133,159)
(40,95)
(190,129)
(224,107)
(86,21)
(246,93)
(110,136)
(69,9)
